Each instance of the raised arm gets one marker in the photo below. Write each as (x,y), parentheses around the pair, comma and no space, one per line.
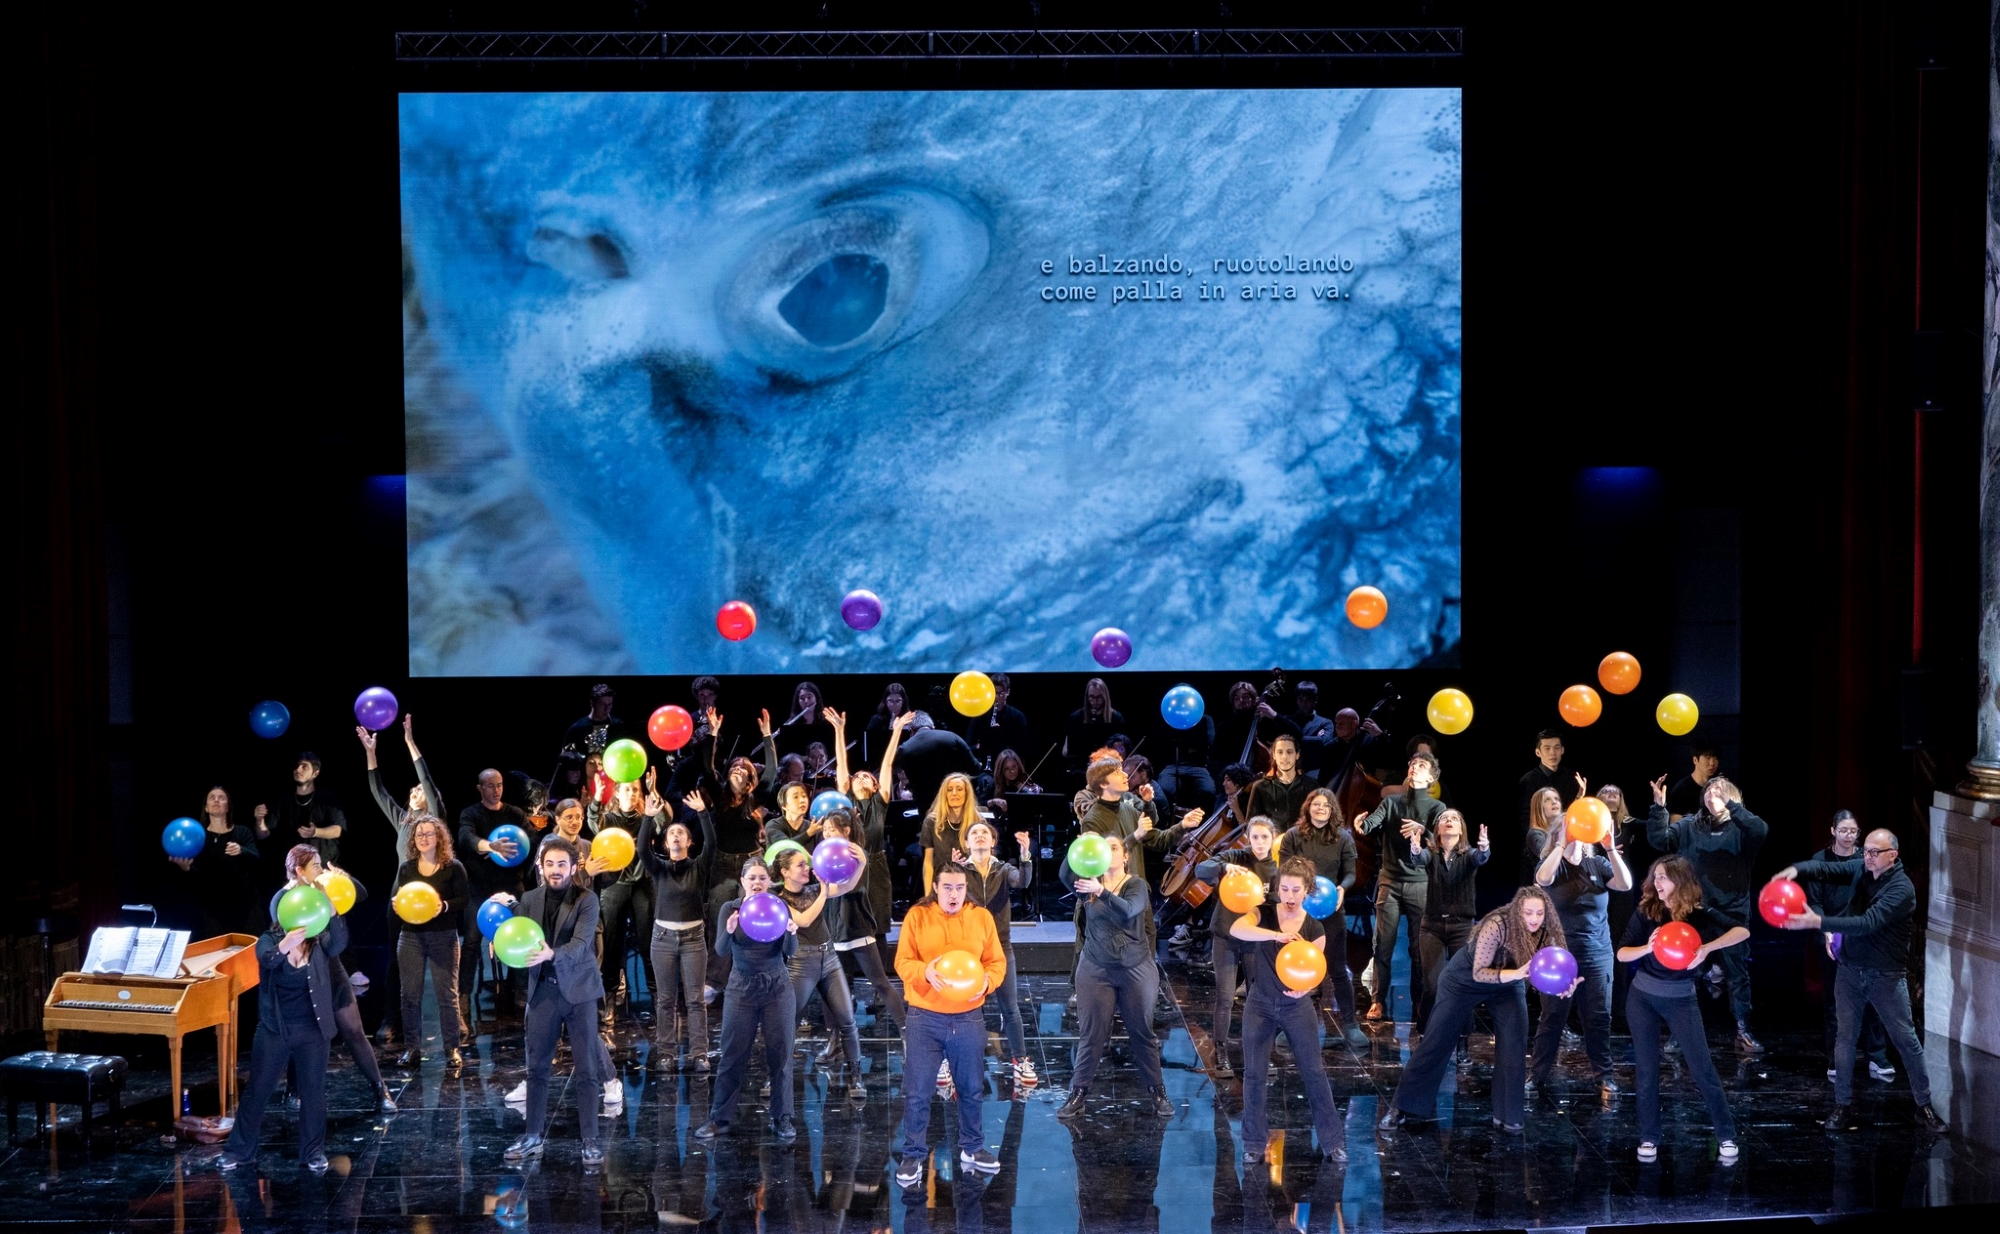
(383,801)
(887,779)
(1662,833)
(838,719)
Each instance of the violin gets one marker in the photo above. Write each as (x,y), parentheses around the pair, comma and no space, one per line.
(1210,836)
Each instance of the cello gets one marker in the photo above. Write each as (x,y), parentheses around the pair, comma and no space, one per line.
(1213,834)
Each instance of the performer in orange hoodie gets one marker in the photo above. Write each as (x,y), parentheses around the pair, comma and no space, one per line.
(947,1020)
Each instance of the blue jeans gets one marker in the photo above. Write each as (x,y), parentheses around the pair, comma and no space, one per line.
(1592,1001)
(931,1037)
(1263,1020)
(1681,1015)
(1009,995)
(1888,992)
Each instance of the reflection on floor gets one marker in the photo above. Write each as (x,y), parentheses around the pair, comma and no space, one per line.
(437,1164)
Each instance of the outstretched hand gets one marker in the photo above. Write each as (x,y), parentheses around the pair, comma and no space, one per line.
(367,738)
(1660,791)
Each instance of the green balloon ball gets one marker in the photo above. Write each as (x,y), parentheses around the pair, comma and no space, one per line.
(777,850)
(305,906)
(516,940)
(624,761)
(1089,856)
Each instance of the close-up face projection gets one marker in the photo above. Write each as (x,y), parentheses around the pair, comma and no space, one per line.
(1024,365)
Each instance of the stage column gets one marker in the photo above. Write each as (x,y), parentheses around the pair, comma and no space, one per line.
(1962,943)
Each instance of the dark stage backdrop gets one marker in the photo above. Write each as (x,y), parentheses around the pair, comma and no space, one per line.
(1680,255)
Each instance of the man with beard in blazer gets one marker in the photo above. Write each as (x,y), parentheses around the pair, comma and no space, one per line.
(564,987)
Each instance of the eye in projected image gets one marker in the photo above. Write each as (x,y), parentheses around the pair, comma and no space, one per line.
(1025,365)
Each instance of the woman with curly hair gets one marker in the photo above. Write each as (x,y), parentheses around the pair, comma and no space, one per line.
(434,943)
(1492,969)
(1665,996)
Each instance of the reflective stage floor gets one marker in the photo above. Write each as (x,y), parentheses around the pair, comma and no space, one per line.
(436,1165)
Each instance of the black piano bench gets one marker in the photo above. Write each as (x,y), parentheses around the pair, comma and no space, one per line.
(45,1079)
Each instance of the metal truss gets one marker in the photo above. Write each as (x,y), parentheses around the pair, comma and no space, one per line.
(1385,43)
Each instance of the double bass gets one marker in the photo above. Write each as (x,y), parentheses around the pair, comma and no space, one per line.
(1355,791)
(1213,834)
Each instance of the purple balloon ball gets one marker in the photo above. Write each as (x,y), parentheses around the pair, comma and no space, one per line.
(1110,647)
(861,609)
(764,917)
(1552,970)
(836,860)
(376,708)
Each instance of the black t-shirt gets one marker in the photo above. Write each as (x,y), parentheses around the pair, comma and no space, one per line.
(1685,796)
(476,823)
(1262,957)
(1582,893)
(928,756)
(820,931)
(1708,923)
(1538,777)
(295,1003)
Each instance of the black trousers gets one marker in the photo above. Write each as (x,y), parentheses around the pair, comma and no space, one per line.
(392,991)
(347,1017)
(1592,1002)
(625,914)
(1394,904)
(548,1015)
(439,951)
(1131,992)
(1227,955)
(753,1003)
(1336,993)
(271,1052)
(1444,937)
(1458,993)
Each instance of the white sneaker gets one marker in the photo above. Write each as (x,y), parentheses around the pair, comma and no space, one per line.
(1726,1152)
(1832,1073)
(614,1092)
(1648,1151)
(517,1094)
(1024,1073)
(1879,1072)
(1181,937)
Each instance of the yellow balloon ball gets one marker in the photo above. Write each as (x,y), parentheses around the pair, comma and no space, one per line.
(417,903)
(1450,711)
(339,888)
(1678,715)
(613,846)
(972,694)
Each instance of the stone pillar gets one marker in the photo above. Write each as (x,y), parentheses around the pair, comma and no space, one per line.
(1962,940)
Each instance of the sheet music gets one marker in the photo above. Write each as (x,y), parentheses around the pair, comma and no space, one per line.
(130,951)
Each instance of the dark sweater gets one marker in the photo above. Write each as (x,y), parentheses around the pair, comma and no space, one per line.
(1722,850)
(1113,930)
(680,888)
(1875,930)
(1453,892)
(1278,801)
(1562,779)
(1825,896)
(321,809)
(1399,865)
(1330,849)
(397,812)
(1211,872)
(476,823)
(994,891)
(1708,923)
(749,957)
(452,886)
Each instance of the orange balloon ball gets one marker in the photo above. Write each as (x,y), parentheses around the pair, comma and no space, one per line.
(1367,607)
(1580,706)
(1241,890)
(1618,673)
(1301,966)
(1588,820)
(962,973)
(613,846)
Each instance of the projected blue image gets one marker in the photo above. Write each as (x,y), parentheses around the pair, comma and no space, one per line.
(1023,364)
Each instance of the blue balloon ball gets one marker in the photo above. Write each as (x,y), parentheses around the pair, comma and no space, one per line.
(508,831)
(491,914)
(827,802)
(184,838)
(270,718)
(1323,899)
(1182,707)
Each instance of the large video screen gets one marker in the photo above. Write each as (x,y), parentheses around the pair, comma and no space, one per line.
(1023,364)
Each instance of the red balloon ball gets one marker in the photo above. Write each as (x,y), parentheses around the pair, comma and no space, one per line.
(1780,901)
(1675,943)
(736,621)
(670,727)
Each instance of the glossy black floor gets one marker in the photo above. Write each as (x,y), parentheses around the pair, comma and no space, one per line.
(437,1166)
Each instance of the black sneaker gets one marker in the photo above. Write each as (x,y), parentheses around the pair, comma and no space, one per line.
(1745,1043)
(1842,1119)
(1074,1107)
(786,1131)
(1162,1106)
(983,1161)
(1928,1119)
(911,1172)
